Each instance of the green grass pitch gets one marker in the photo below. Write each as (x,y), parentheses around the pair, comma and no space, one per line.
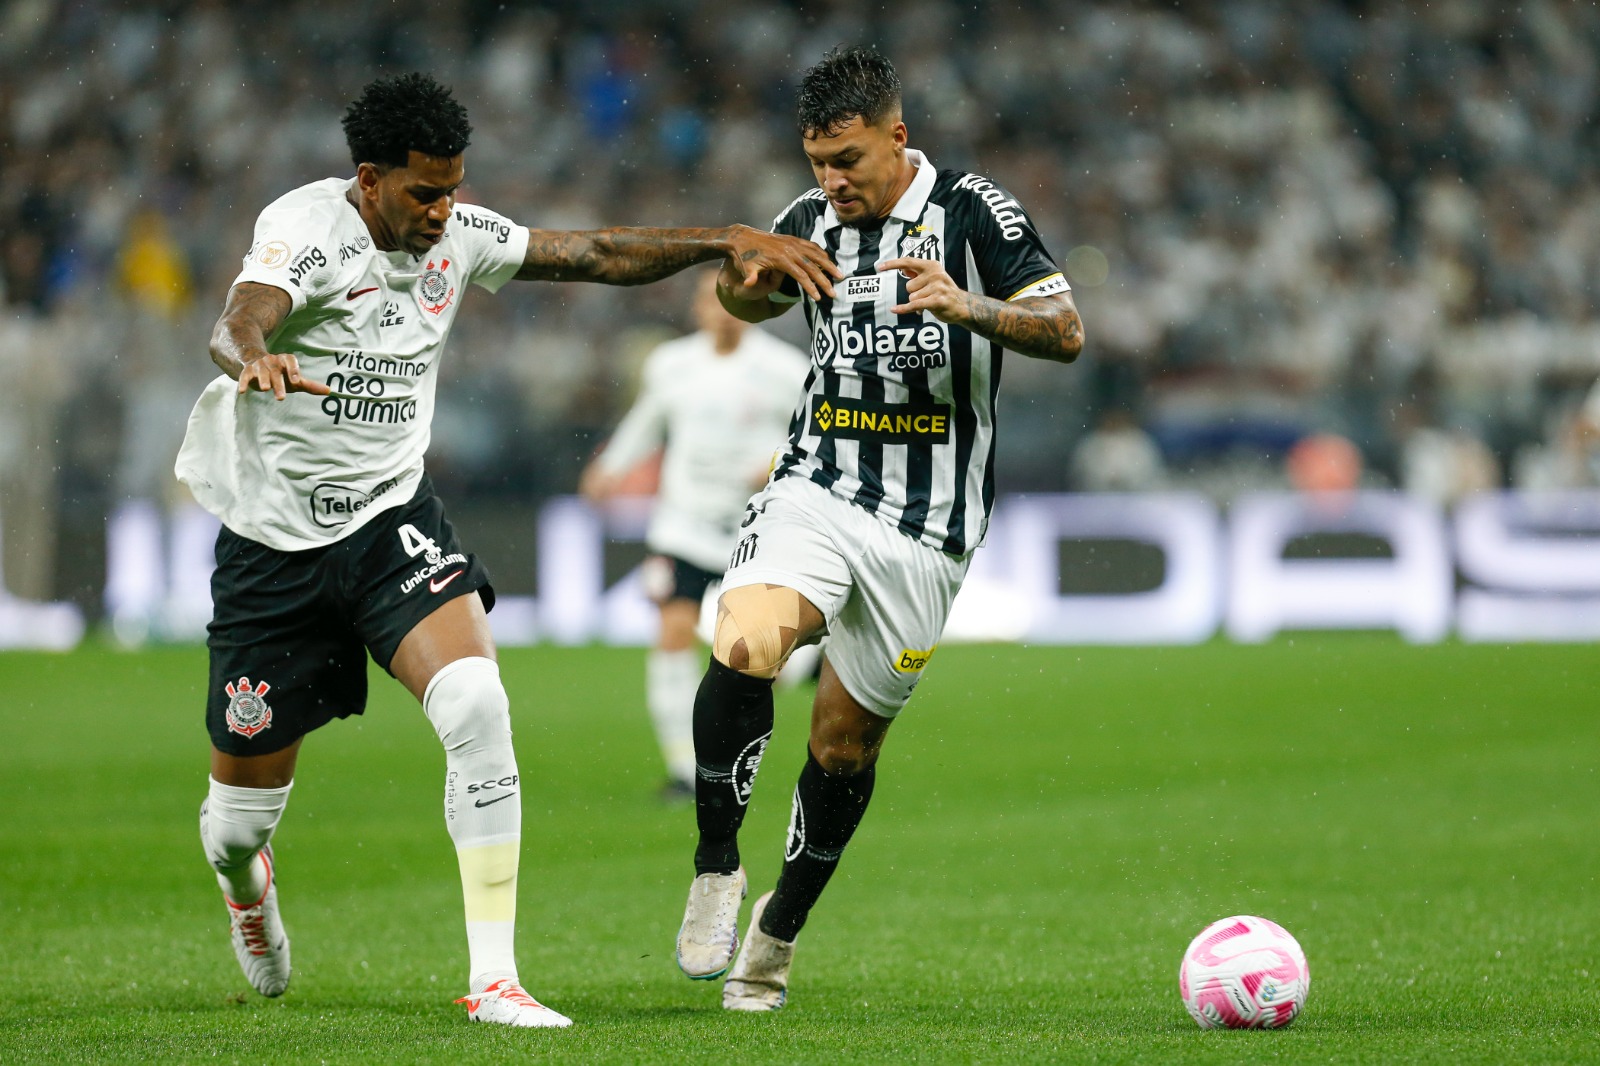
(1051,826)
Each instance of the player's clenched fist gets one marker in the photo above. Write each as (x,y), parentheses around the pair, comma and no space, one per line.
(278,374)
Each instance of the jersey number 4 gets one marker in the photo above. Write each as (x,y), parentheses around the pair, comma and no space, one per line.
(415,544)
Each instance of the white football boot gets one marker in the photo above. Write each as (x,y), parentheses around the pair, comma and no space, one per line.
(506,1003)
(760,979)
(259,942)
(709,934)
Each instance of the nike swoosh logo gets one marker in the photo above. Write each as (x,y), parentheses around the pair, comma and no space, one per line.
(438,586)
(353,293)
(497,799)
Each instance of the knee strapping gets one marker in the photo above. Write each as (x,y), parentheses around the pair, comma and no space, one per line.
(468,706)
(766,619)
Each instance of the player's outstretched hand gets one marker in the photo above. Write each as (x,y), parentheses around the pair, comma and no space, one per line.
(931,288)
(278,374)
(765,259)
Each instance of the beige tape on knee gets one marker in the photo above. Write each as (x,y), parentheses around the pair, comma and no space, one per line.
(489,881)
(757,615)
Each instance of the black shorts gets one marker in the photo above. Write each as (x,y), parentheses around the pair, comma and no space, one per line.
(289,631)
(666,577)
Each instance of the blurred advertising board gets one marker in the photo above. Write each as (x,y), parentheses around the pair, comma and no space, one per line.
(1157,568)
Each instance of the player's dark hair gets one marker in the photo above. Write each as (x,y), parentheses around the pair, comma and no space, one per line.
(394,116)
(847,83)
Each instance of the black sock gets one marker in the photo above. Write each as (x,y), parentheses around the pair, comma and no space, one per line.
(827,809)
(732,724)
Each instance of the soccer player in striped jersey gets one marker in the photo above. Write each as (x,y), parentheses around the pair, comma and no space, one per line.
(866,528)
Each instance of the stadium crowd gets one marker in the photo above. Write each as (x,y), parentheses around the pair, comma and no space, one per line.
(1280,218)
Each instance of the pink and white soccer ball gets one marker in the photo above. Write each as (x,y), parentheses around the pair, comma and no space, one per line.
(1244,973)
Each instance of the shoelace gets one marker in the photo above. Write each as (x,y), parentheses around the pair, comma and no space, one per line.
(251,923)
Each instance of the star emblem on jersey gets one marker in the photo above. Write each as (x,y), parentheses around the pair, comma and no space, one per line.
(917,245)
(247,713)
(434,290)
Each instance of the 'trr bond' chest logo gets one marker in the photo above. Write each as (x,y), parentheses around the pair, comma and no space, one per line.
(247,713)
(434,290)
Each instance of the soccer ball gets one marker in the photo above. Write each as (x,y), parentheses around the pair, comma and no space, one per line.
(1244,973)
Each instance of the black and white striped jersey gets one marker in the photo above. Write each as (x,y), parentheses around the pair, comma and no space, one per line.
(898,414)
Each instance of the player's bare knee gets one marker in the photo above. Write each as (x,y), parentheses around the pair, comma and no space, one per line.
(757,627)
(468,706)
(841,756)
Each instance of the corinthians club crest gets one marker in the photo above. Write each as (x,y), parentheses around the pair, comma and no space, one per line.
(434,288)
(247,713)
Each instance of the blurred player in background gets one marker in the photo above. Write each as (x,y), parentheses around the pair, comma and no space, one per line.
(719,400)
(868,524)
(310,450)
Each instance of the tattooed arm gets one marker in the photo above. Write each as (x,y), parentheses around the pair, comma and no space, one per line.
(239,342)
(633,256)
(1044,327)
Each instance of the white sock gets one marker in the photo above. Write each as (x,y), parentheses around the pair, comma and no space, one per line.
(235,824)
(671,680)
(483,808)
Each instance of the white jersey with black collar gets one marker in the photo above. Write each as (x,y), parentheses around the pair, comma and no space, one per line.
(723,417)
(309,470)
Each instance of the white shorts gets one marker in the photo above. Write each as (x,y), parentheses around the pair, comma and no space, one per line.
(884,596)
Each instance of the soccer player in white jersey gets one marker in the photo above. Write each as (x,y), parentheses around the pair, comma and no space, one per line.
(719,400)
(869,521)
(309,448)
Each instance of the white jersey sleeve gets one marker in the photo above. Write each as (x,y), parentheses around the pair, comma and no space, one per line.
(289,252)
(644,428)
(495,245)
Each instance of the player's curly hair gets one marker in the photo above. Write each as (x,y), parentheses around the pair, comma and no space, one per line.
(847,83)
(394,116)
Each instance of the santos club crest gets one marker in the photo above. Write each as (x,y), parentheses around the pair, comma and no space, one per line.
(918,243)
(434,287)
(248,713)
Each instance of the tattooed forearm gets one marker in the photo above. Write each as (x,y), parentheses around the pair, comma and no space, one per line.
(253,313)
(625,255)
(1044,327)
